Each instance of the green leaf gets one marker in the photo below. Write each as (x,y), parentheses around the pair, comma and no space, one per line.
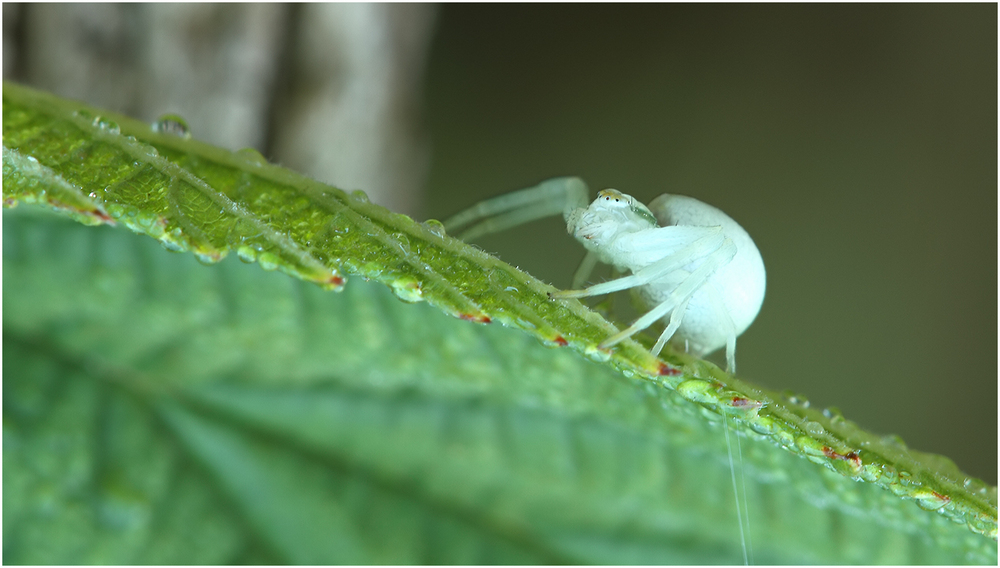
(161,411)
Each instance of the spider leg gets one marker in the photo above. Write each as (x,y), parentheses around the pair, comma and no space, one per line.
(727,320)
(549,198)
(676,317)
(606,306)
(586,267)
(680,295)
(712,241)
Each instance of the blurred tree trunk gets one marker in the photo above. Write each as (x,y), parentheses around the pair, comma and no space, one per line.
(330,90)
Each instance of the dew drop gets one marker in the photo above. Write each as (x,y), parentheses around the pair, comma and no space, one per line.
(252,155)
(834,414)
(359,196)
(246,254)
(434,226)
(762,425)
(403,242)
(335,282)
(786,440)
(172,125)
(269,261)
(371,269)
(171,245)
(813,428)
(114,210)
(208,258)
(796,399)
(596,353)
(407,289)
(697,390)
(146,220)
(108,126)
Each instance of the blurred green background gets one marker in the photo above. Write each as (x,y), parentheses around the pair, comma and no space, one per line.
(856,144)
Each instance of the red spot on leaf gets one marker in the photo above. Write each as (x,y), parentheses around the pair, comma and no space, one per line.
(668,370)
(96,212)
(104,217)
(944,498)
(852,457)
(336,280)
(475,318)
(744,402)
(560,341)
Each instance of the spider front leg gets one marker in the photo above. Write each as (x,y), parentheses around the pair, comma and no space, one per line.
(552,197)
(715,250)
(585,269)
(706,241)
(605,306)
(681,294)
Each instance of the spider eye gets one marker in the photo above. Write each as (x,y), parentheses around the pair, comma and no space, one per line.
(611,196)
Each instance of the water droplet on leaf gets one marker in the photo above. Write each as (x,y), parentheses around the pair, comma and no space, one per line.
(403,241)
(171,245)
(246,254)
(173,125)
(108,126)
(813,428)
(335,282)
(697,390)
(434,226)
(269,261)
(834,414)
(114,210)
(407,289)
(208,258)
(252,155)
(796,399)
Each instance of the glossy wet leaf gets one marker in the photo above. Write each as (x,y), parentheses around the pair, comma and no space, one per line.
(158,410)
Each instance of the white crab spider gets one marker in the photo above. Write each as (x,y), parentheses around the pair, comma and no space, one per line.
(690,263)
